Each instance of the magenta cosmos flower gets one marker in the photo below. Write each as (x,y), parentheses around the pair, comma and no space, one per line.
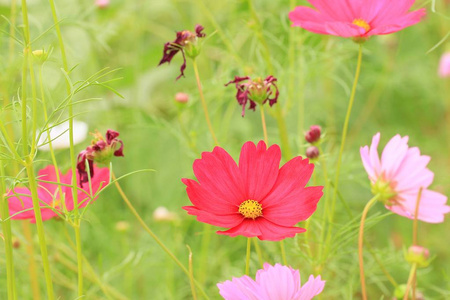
(399,176)
(254,198)
(49,195)
(356,18)
(272,283)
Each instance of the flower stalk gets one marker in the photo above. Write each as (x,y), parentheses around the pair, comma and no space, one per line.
(247,256)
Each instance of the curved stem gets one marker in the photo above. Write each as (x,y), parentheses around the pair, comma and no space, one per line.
(247,256)
(202,98)
(345,130)
(412,274)
(416,215)
(361,243)
(263,121)
(153,235)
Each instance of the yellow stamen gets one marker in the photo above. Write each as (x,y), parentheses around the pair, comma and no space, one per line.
(361,23)
(250,209)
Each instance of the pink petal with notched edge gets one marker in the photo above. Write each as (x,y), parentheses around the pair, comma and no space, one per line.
(393,155)
(259,168)
(364,151)
(311,288)
(374,157)
(399,24)
(229,220)
(277,282)
(243,288)
(274,232)
(248,228)
(432,206)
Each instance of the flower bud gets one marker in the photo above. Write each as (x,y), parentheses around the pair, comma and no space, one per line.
(163,214)
(418,255)
(122,226)
(312,152)
(40,56)
(182,98)
(313,135)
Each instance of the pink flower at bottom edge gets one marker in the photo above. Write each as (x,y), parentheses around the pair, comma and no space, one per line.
(255,198)
(272,283)
(49,195)
(356,18)
(398,177)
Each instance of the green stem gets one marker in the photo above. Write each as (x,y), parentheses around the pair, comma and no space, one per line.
(412,274)
(40,228)
(79,259)
(283,253)
(191,275)
(32,269)
(258,252)
(341,150)
(361,244)
(263,121)
(202,98)
(153,235)
(6,226)
(247,256)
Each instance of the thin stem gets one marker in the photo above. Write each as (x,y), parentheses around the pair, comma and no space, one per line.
(263,121)
(40,228)
(247,256)
(31,262)
(382,267)
(416,215)
(79,259)
(6,226)
(283,253)
(361,244)
(202,98)
(258,252)
(191,274)
(412,274)
(341,150)
(153,235)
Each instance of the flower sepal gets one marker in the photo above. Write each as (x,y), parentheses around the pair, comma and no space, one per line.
(418,255)
(384,191)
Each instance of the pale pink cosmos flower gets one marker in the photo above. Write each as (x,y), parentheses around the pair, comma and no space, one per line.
(444,65)
(398,178)
(356,18)
(272,283)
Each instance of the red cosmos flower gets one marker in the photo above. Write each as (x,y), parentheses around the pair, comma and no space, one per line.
(356,18)
(49,195)
(185,41)
(100,151)
(254,198)
(255,91)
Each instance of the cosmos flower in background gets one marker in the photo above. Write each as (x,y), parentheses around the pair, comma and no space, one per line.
(398,178)
(100,151)
(59,136)
(444,65)
(49,194)
(186,42)
(255,198)
(272,283)
(257,91)
(359,19)
(102,3)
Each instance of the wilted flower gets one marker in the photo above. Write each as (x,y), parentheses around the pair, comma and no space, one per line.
(312,152)
(313,135)
(100,151)
(357,19)
(21,206)
(444,65)
(418,255)
(272,283)
(256,91)
(186,42)
(59,135)
(256,198)
(181,97)
(399,176)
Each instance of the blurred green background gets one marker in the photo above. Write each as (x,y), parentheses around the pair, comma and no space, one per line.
(399,92)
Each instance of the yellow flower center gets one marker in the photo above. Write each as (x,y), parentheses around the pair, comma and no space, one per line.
(361,23)
(250,209)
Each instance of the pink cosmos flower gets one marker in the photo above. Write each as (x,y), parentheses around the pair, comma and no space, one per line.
(444,65)
(356,18)
(102,3)
(272,283)
(49,195)
(254,198)
(399,176)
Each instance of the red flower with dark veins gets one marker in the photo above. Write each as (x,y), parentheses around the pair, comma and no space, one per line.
(255,198)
